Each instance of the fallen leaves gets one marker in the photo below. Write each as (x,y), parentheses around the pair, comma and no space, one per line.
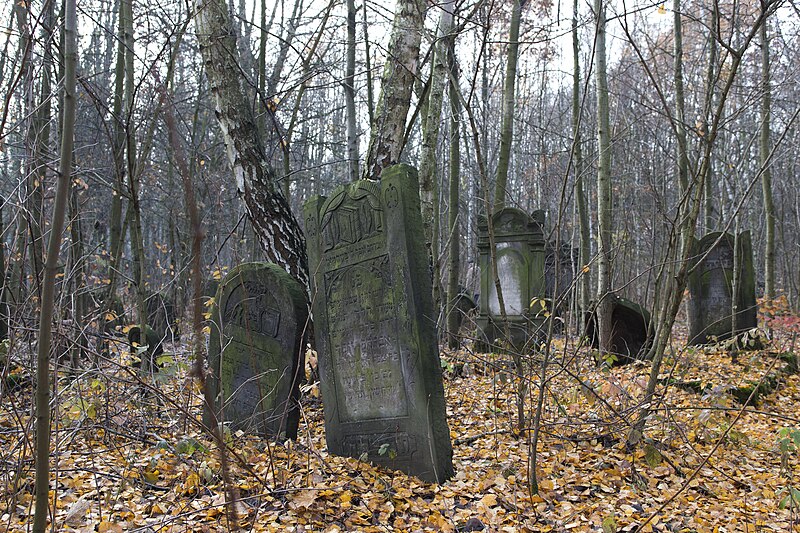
(125,460)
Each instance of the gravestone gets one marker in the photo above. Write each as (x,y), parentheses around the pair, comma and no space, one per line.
(559,272)
(519,245)
(631,331)
(559,267)
(463,306)
(375,324)
(146,350)
(711,288)
(259,319)
(162,315)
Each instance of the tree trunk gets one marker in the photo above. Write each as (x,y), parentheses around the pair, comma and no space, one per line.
(428,183)
(507,127)
(350,94)
(368,68)
(604,301)
(583,212)
(680,115)
(4,316)
(281,237)
(766,176)
(42,392)
(115,226)
(711,82)
(453,320)
(397,84)
(137,244)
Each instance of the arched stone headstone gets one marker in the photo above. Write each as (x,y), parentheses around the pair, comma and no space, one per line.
(259,320)
(631,331)
(711,287)
(519,245)
(380,374)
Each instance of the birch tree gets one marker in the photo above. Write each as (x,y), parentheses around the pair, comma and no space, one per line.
(278,230)
(397,84)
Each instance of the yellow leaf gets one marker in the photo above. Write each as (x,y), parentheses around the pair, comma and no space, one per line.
(151,477)
(490,500)
(109,527)
(191,483)
(110,316)
(585,269)
(662,10)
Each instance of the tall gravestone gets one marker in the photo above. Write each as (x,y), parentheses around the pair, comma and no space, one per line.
(380,374)
(559,271)
(631,331)
(559,274)
(259,319)
(519,245)
(718,257)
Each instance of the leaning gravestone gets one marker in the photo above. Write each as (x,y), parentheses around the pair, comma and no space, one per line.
(257,335)
(631,331)
(519,245)
(380,375)
(711,288)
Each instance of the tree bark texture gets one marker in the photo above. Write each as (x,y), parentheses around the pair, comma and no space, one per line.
(430,134)
(509,95)
(350,93)
(278,230)
(42,392)
(766,176)
(397,85)
(453,320)
(580,193)
(604,301)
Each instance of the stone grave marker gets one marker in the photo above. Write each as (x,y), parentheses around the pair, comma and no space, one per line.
(146,350)
(259,319)
(631,331)
(162,315)
(559,268)
(711,288)
(380,374)
(519,244)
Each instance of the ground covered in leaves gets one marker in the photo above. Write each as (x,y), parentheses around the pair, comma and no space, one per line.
(130,460)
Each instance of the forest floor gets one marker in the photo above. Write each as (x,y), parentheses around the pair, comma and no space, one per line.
(127,461)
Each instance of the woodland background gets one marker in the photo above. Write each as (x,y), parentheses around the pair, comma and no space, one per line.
(633,126)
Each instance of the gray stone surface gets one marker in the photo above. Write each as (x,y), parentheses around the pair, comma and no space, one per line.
(711,288)
(374,320)
(519,245)
(631,331)
(259,319)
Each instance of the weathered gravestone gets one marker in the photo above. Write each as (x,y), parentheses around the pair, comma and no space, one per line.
(711,288)
(631,331)
(559,274)
(147,350)
(380,375)
(162,315)
(462,307)
(519,245)
(257,335)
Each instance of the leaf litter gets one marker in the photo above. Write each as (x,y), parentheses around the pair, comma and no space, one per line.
(128,460)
